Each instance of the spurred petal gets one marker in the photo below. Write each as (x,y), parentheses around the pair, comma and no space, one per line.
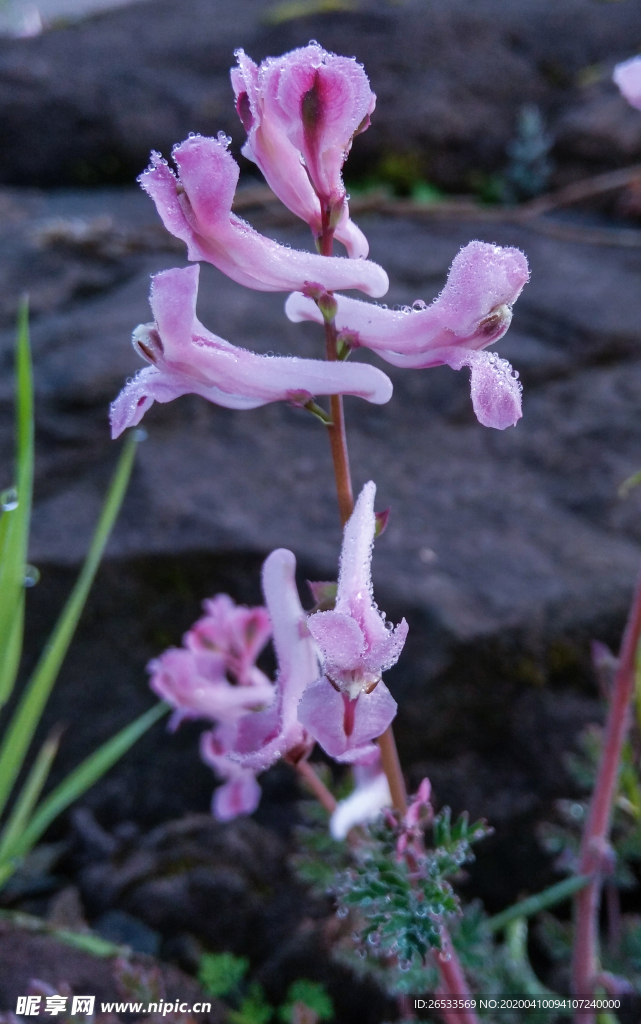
(628,77)
(472,311)
(344,727)
(187,358)
(197,209)
(297,669)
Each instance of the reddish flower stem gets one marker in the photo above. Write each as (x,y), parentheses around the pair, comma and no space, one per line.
(597,829)
(317,786)
(452,978)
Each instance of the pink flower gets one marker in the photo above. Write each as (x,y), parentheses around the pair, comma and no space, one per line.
(197,208)
(265,737)
(301,112)
(350,705)
(473,310)
(628,77)
(232,633)
(240,793)
(187,358)
(202,690)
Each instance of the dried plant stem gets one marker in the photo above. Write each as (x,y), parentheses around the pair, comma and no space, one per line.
(594,845)
(317,786)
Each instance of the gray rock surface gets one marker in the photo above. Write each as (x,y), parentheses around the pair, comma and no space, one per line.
(506,551)
(86,101)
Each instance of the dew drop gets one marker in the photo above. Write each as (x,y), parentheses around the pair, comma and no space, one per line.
(419,304)
(31,576)
(342,912)
(9,499)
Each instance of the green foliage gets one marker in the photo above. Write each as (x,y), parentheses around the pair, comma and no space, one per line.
(28,819)
(403,902)
(220,974)
(318,858)
(15,515)
(254,1008)
(310,994)
(562,838)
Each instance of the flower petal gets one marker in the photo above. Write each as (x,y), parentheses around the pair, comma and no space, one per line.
(472,311)
(344,727)
(628,78)
(202,218)
(297,668)
(363,805)
(496,391)
(190,359)
(339,637)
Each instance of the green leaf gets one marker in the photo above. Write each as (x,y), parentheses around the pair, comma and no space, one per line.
(84,776)
(29,795)
(220,974)
(310,994)
(254,1009)
(25,720)
(14,523)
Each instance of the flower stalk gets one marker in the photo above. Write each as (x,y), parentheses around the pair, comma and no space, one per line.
(595,855)
(449,966)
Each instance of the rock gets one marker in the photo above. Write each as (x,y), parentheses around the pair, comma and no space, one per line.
(506,551)
(85,102)
(29,953)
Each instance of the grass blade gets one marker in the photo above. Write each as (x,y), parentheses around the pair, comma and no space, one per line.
(541,901)
(83,777)
(14,523)
(25,720)
(29,795)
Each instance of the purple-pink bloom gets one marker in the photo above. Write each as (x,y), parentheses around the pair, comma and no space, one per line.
(187,358)
(268,145)
(240,792)
(474,310)
(201,689)
(263,738)
(350,705)
(196,207)
(628,77)
(233,633)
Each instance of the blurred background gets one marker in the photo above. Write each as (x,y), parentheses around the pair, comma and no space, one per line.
(507,552)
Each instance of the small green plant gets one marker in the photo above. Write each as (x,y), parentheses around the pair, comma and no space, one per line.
(29,817)
(223,975)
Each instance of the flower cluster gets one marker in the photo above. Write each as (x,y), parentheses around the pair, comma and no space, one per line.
(214,676)
(301,113)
